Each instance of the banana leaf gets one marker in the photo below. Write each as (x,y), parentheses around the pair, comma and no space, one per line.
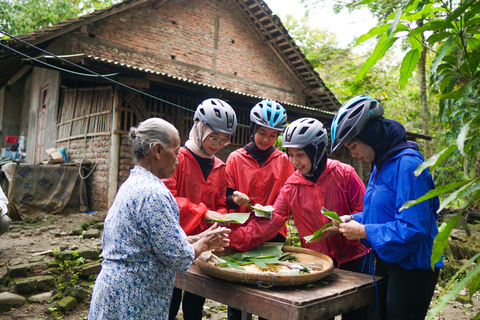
(318,233)
(331,215)
(234,217)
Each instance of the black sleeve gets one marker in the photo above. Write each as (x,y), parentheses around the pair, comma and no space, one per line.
(230,202)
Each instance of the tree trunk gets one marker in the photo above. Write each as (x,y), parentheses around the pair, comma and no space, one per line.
(422,83)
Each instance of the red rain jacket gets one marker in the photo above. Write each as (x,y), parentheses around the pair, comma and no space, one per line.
(194,195)
(338,189)
(260,184)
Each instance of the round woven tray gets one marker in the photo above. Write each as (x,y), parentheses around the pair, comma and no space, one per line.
(268,279)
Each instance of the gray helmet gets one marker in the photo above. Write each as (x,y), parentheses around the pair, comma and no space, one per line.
(305,131)
(218,114)
(270,114)
(352,117)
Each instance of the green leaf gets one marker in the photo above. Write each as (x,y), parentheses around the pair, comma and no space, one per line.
(441,54)
(409,64)
(473,43)
(441,240)
(382,46)
(461,137)
(394,23)
(434,160)
(462,92)
(454,292)
(457,12)
(372,33)
(318,233)
(454,196)
(332,215)
(234,217)
(474,285)
(433,193)
(439,37)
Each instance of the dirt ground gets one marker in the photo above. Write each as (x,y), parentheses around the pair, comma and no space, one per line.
(24,240)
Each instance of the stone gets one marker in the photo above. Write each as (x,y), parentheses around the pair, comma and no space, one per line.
(87,253)
(64,255)
(77,231)
(26,269)
(76,292)
(36,259)
(92,233)
(89,268)
(10,300)
(74,247)
(14,235)
(63,247)
(85,225)
(32,284)
(44,297)
(67,304)
(16,262)
(98,225)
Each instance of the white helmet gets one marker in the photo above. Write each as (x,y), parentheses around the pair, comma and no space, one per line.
(218,114)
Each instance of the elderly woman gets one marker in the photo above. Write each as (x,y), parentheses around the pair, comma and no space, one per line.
(143,243)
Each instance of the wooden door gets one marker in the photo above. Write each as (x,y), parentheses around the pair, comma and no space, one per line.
(41,124)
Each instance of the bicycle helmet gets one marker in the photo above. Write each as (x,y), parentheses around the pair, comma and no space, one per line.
(305,131)
(218,114)
(270,114)
(352,117)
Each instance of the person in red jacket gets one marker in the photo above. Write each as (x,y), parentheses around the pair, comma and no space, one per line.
(199,185)
(259,170)
(318,182)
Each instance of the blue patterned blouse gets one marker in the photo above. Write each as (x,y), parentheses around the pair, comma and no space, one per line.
(143,247)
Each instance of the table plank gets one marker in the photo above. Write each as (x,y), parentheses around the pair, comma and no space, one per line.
(338,293)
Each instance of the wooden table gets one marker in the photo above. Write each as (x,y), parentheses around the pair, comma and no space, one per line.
(338,293)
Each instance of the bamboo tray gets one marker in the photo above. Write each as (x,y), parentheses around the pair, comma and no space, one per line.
(268,279)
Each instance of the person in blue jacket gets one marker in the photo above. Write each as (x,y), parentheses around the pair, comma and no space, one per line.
(401,241)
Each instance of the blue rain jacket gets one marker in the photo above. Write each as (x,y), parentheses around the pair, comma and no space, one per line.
(405,237)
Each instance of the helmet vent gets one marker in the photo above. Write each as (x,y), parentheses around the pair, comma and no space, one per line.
(354,113)
(345,131)
(372,105)
(275,118)
(303,130)
(257,115)
(217,113)
(202,111)
(319,133)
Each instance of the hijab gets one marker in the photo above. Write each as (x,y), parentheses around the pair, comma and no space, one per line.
(387,138)
(312,153)
(198,129)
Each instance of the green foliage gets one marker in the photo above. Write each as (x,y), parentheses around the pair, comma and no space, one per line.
(454,38)
(23,16)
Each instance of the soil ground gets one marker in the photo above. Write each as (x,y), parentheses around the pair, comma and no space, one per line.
(53,233)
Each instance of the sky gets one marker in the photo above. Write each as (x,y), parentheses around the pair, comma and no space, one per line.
(346,26)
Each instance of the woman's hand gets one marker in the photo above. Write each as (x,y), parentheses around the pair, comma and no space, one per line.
(352,230)
(345,219)
(240,199)
(214,238)
(214,215)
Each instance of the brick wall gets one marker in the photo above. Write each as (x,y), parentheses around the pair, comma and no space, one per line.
(125,160)
(179,39)
(94,149)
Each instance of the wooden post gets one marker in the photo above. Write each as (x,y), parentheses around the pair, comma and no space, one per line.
(114,150)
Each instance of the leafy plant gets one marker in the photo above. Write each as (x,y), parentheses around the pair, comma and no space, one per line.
(452,34)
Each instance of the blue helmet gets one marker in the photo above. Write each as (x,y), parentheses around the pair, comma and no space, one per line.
(270,114)
(352,117)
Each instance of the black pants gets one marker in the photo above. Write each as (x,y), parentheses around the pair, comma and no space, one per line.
(409,292)
(192,305)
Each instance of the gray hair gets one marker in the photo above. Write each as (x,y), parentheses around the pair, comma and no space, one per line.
(149,132)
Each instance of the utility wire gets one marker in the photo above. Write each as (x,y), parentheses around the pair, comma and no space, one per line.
(55,67)
(95,73)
